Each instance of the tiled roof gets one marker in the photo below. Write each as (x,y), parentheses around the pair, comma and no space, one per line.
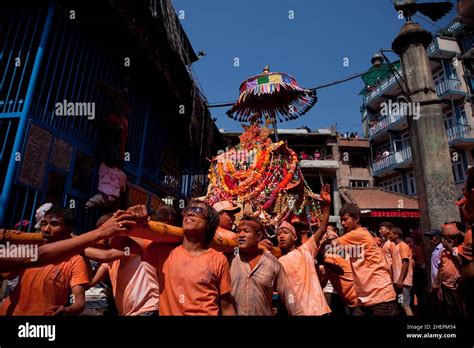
(377,198)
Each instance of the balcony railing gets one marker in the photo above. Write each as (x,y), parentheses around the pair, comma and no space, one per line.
(392,159)
(388,83)
(447,86)
(460,132)
(385,122)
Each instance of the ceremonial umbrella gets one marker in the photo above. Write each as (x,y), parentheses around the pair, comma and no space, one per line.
(274,95)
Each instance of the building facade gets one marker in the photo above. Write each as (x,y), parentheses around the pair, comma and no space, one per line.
(386,125)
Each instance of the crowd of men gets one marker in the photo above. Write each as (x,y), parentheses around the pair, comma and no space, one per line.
(316,271)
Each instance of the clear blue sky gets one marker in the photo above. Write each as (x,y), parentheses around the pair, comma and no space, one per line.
(311,47)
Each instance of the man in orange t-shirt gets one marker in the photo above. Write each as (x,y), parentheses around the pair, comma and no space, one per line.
(298,262)
(371,274)
(195,279)
(449,273)
(44,290)
(339,271)
(402,268)
(387,246)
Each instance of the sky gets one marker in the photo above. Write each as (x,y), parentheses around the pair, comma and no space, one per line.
(308,39)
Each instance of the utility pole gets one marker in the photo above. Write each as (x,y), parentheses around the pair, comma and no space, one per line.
(429,144)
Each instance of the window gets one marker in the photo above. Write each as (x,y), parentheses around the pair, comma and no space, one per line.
(405,141)
(359,183)
(453,74)
(411,183)
(448,120)
(458,168)
(438,77)
(394,185)
(358,161)
(461,115)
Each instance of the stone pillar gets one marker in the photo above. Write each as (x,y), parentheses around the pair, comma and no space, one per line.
(429,144)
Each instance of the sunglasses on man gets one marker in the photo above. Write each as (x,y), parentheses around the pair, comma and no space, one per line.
(196,211)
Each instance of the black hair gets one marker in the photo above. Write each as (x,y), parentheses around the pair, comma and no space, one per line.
(398,231)
(351,209)
(212,220)
(386,224)
(165,212)
(247,217)
(65,213)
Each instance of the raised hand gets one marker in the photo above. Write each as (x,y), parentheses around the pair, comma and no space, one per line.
(138,212)
(325,193)
(117,225)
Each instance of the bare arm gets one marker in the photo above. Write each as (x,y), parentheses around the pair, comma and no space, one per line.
(437,282)
(99,275)
(78,302)
(227,305)
(403,272)
(64,249)
(316,237)
(108,255)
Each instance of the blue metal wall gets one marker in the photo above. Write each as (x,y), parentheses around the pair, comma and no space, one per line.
(58,63)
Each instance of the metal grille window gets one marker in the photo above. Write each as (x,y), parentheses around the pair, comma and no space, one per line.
(394,185)
(458,168)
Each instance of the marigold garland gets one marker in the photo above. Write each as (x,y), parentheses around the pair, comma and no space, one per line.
(256,173)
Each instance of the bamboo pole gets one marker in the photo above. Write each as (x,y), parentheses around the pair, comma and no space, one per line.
(17,237)
(163,233)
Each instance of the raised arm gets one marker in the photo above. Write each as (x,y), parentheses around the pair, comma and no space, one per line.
(64,249)
(326,196)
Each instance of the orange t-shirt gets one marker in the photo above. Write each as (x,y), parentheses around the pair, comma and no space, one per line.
(402,251)
(450,272)
(41,290)
(339,272)
(193,283)
(134,283)
(387,248)
(299,267)
(371,274)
